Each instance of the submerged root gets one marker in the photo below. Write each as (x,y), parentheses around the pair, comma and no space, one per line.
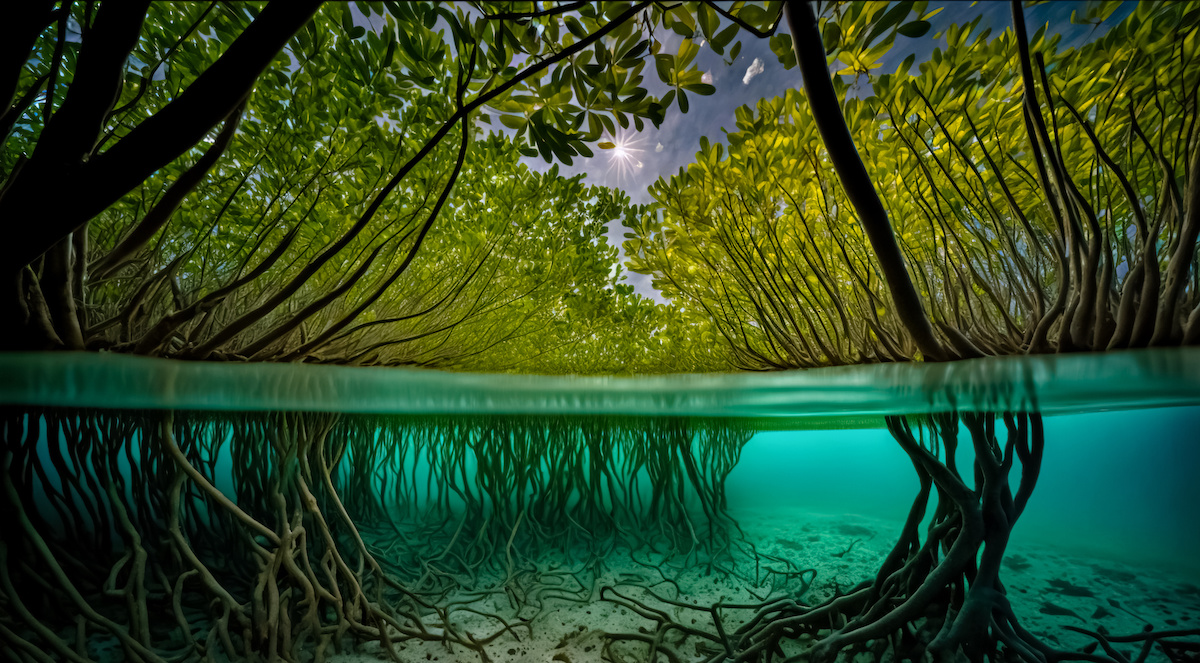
(208,537)
(238,536)
(940,599)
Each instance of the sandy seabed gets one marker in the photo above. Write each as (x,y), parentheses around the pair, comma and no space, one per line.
(569,623)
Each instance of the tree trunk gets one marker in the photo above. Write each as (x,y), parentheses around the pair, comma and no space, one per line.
(57,285)
(806,39)
(1167,325)
(23,22)
(64,150)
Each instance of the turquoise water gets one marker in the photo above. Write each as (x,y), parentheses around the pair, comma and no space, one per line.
(1119,485)
(184,510)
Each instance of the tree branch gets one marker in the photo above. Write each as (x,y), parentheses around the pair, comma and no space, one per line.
(519,16)
(154,143)
(23,22)
(161,213)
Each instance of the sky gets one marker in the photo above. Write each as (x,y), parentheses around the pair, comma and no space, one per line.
(757,74)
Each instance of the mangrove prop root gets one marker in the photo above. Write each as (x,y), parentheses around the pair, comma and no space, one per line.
(940,599)
(280,536)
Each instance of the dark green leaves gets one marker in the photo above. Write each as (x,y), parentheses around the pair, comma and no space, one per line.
(890,19)
(781,46)
(353,31)
(831,36)
(708,20)
(914,29)
(754,15)
(722,38)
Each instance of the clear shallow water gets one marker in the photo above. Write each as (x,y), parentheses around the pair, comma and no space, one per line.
(522,497)
(1120,485)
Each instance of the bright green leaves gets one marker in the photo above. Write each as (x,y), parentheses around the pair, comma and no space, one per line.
(599,90)
(513,122)
(762,242)
(686,77)
(688,50)
(860,34)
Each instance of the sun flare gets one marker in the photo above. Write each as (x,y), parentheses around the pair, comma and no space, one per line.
(624,159)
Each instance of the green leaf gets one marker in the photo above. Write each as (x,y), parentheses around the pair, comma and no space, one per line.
(513,121)
(575,27)
(753,15)
(663,64)
(390,55)
(708,21)
(688,50)
(831,37)
(722,38)
(605,145)
(914,29)
(614,9)
(890,19)
(781,46)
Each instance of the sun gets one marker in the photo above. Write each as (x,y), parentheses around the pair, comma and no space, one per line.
(624,158)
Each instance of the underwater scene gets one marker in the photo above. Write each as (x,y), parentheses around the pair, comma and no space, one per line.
(586,526)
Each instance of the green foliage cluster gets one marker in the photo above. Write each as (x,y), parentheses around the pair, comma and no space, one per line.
(352,207)
(319,183)
(1017,241)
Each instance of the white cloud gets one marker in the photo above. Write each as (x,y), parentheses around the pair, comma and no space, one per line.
(755,69)
(707,78)
(659,148)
